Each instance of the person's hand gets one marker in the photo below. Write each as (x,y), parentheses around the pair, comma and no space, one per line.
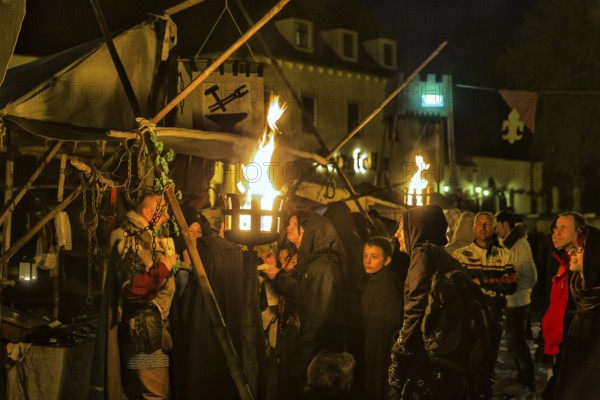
(169,261)
(271,272)
(268,258)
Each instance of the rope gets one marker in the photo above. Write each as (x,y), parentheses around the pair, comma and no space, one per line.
(226,9)
(544,92)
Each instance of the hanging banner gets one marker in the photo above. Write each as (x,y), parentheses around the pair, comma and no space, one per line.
(230,100)
(522,114)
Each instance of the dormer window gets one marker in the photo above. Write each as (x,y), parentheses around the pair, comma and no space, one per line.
(302,35)
(343,42)
(383,51)
(297,32)
(388,52)
(348,41)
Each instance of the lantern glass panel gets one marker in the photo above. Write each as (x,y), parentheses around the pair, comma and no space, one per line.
(245,222)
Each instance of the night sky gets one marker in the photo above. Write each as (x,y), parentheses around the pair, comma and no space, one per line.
(478,34)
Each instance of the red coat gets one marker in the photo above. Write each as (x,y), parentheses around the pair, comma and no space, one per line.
(552,322)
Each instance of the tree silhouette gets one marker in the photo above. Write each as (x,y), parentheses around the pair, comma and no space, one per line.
(557,54)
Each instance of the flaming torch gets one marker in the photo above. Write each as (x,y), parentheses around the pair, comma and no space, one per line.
(257,220)
(417,184)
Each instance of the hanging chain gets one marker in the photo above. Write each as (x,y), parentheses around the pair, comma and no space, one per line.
(132,194)
(91,225)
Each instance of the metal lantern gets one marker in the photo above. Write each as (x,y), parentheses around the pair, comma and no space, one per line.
(252,226)
(27,270)
(415,198)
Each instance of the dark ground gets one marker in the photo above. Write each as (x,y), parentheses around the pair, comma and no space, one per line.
(506,373)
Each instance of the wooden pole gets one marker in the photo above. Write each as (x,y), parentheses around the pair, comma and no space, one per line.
(212,67)
(6,229)
(233,361)
(112,50)
(35,229)
(58,208)
(55,272)
(182,6)
(10,205)
(395,93)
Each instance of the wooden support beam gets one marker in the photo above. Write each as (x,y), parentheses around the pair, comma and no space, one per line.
(58,208)
(182,6)
(233,361)
(112,50)
(392,95)
(211,68)
(40,224)
(10,205)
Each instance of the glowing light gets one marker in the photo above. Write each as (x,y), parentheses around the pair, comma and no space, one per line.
(261,185)
(359,161)
(432,100)
(446,188)
(417,184)
(477,189)
(486,192)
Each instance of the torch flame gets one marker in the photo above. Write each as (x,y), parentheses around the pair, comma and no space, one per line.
(275,112)
(417,183)
(258,173)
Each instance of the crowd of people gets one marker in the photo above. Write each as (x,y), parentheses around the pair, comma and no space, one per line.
(344,314)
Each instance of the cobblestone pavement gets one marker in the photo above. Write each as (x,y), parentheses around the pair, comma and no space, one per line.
(506,372)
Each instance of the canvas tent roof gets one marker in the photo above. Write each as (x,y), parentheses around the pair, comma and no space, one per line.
(317,193)
(76,96)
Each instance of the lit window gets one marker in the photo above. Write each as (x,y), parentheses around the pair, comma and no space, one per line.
(432,100)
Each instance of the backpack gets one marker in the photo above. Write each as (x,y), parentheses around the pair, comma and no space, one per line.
(455,325)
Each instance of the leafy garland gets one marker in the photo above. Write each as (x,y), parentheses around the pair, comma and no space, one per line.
(162,180)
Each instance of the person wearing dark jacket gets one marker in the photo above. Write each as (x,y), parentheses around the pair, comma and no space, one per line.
(314,286)
(353,276)
(580,360)
(513,236)
(421,234)
(381,309)
(200,366)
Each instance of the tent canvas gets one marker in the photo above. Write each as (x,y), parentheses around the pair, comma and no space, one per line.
(76,96)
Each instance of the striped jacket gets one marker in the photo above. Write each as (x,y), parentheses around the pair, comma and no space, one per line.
(494,271)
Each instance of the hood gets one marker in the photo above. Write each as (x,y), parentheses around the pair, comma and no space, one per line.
(425,224)
(591,258)
(340,216)
(319,238)
(518,232)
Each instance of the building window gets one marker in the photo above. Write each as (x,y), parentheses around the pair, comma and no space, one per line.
(353,116)
(388,52)
(302,35)
(308,121)
(348,42)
